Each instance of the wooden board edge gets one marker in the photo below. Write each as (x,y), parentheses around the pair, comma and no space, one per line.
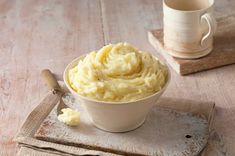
(158,47)
(221,63)
(88,147)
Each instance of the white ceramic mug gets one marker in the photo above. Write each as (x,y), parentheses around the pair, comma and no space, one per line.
(189,27)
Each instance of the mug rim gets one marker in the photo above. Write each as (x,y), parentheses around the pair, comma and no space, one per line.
(188,11)
(114,102)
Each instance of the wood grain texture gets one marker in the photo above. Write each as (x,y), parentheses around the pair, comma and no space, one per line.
(222,54)
(215,85)
(48,34)
(35,35)
(29,151)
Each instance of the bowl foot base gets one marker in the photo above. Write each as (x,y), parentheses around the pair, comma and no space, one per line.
(126,129)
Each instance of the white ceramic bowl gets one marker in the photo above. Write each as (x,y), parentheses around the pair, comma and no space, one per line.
(115,116)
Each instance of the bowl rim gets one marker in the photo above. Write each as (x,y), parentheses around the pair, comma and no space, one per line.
(74,61)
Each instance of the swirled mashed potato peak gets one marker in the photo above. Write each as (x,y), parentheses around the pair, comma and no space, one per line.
(119,73)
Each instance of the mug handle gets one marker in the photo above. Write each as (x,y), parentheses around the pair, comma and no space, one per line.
(211,21)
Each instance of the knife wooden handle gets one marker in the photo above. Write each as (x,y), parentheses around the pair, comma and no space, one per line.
(51,81)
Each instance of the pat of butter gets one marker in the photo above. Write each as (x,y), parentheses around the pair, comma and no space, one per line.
(69,116)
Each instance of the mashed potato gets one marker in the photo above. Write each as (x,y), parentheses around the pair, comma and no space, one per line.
(118,73)
(69,116)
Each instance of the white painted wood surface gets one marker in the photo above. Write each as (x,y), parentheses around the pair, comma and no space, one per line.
(165,131)
(49,34)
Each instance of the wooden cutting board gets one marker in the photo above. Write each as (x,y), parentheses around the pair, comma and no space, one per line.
(165,132)
(222,54)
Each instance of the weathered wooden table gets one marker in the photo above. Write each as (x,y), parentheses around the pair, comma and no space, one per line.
(37,34)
